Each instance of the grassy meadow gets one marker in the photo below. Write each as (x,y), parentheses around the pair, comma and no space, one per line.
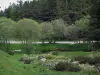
(11,65)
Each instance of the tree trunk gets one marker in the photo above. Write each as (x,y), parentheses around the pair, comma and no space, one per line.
(50,41)
(42,41)
(54,41)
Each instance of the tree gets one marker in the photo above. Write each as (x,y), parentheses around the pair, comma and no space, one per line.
(71,33)
(94,27)
(83,24)
(59,29)
(47,32)
(6,32)
(1,13)
(13,12)
(48,10)
(27,31)
(78,9)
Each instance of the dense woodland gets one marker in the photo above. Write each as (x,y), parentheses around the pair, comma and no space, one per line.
(52,20)
(47,10)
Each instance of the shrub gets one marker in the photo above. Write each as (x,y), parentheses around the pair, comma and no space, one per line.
(45,51)
(95,60)
(11,52)
(87,68)
(83,59)
(27,60)
(65,66)
(49,57)
(90,60)
(55,53)
(23,58)
(98,68)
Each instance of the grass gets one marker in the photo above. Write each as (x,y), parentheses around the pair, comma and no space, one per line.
(74,54)
(51,47)
(10,65)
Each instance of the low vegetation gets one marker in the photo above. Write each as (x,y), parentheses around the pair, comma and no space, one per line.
(66,66)
(14,65)
(90,60)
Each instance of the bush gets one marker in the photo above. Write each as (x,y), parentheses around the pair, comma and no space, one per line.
(23,58)
(87,68)
(90,60)
(98,68)
(11,52)
(55,53)
(95,60)
(65,66)
(82,59)
(45,51)
(49,57)
(27,60)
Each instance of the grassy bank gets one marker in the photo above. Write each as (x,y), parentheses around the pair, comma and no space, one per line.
(10,65)
(53,47)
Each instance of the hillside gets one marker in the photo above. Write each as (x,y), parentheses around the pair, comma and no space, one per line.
(9,66)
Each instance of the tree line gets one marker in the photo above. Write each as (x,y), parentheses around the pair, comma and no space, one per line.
(51,20)
(28,31)
(47,10)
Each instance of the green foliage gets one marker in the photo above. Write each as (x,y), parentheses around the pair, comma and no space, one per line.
(55,53)
(59,27)
(95,60)
(82,59)
(53,30)
(27,59)
(47,10)
(11,52)
(27,31)
(65,66)
(47,31)
(90,60)
(94,27)
(6,32)
(71,32)
(83,22)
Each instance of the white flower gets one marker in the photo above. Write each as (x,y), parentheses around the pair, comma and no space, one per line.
(75,62)
(86,67)
(43,59)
